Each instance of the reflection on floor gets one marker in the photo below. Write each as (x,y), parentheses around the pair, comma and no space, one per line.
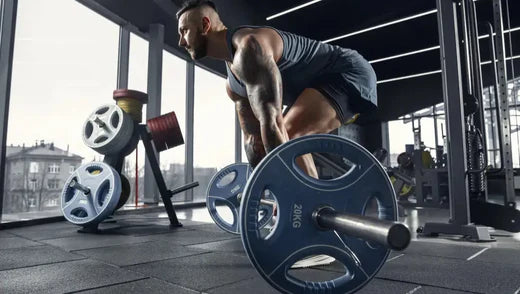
(139,252)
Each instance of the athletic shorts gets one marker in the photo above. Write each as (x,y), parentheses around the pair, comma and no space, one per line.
(343,95)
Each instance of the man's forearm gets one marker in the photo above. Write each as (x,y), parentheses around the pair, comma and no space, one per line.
(273,135)
(255,150)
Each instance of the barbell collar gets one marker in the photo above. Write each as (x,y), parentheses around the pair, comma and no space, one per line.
(390,234)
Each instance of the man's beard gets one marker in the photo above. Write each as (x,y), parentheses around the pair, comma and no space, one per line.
(201,50)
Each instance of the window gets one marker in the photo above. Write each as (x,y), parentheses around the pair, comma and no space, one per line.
(174,99)
(137,80)
(53,184)
(214,134)
(72,168)
(53,169)
(33,184)
(31,202)
(51,202)
(34,167)
(68,55)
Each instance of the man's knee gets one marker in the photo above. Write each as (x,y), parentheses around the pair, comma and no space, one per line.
(295,130)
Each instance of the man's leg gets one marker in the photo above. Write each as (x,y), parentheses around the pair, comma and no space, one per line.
(311,113)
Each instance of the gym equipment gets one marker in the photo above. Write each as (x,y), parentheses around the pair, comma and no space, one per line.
(108,129)
(165,131)
(125,192)
(321,216)
(131,102)
(225,188)
(115,131)
(90,194)
(402,188)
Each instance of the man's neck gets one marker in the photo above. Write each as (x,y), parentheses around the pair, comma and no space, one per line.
(218,47)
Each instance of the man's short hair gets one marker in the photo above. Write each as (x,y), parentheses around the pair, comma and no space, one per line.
(190,4)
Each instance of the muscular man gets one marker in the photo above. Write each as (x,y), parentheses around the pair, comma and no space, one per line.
(323,85)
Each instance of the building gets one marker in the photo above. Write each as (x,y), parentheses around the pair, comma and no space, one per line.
(34,176)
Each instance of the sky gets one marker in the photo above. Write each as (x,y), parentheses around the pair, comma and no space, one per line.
(65,67)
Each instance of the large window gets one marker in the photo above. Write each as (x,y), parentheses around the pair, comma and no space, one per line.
(214,134)
(64,66)
(401,131)
(174,99)
(137,80)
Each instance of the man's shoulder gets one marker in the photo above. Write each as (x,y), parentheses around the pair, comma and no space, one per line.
(260,33)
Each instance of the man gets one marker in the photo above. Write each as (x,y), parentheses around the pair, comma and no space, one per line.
(323,86)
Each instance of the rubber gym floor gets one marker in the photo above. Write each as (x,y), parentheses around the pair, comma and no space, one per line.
(139,253)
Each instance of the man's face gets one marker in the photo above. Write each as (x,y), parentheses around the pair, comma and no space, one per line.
(191,36)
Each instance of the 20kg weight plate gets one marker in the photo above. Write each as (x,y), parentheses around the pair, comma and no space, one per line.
(295,234)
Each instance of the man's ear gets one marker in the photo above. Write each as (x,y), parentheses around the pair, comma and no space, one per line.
(206,25)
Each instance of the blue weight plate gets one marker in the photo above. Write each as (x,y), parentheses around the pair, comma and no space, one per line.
(223,189)
(295,235)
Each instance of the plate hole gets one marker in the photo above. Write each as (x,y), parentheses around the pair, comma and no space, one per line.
(329,166)
(100,139)
(70,191)
(317,268)
(94,170)
(102,110)
(79,212)
(89,128)
(102,194)
(227,179)
(267,217)
(114,120)
(224,212)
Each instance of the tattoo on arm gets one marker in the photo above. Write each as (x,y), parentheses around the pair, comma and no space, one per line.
(259,72)
(253,144)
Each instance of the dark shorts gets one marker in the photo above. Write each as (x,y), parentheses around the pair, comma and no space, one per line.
(344,97)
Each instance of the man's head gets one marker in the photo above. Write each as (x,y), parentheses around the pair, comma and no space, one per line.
(196,19)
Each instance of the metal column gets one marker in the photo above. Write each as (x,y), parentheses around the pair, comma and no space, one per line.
(7,32)
(190,99)
(153,109)
(123,58)
(453,100)
(503,106)
(385,138)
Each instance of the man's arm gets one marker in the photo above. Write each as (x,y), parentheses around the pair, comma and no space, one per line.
(253,144)
(255,65)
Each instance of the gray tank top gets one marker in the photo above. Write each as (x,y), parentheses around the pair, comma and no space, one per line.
(304,60)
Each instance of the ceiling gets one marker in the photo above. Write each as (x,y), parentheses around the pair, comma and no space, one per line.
(327,19)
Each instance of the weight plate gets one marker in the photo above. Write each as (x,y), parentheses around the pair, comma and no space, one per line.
(165,131)
(104,185)
(224,189)
(108,129)
(125,192)
(295,234)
